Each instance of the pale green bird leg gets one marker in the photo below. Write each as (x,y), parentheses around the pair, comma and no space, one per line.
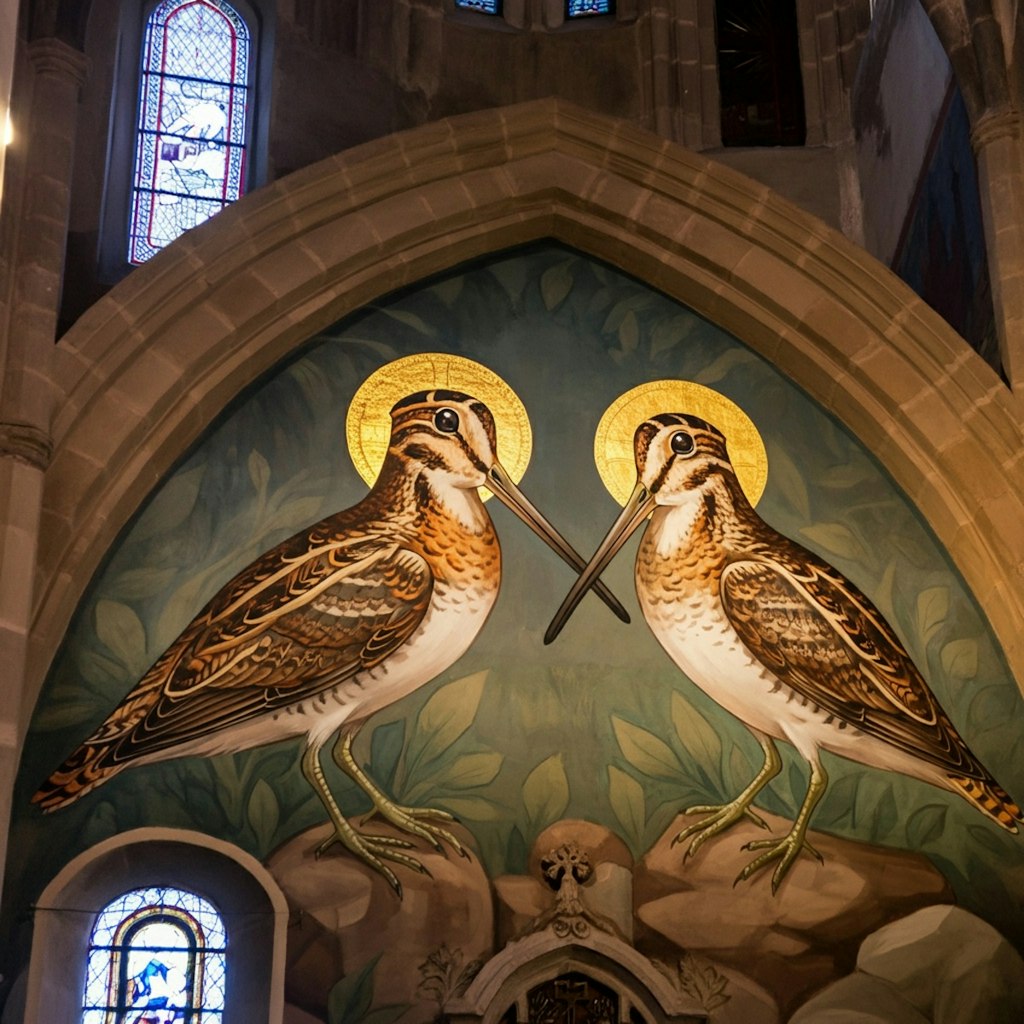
(408,819)
(722,816)
(372,850)
(787,849)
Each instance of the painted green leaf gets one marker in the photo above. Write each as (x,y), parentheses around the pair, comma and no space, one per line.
(511,275)
(623,308)
(666,334)
(886,815)
(696,733)
(960,659)
(990,837)
(789,480)
(627,799)
(259,472)
(171,505)
(796,785)
(294,515)
(263,812)
(385,1014)
(991,707)
(926,824)
(445,717)
(471,770)
(448,291)
(471,808)
(848,474)
(835,539)
(136,584)
(883,593)
(121,631)
(102,672)
(715,371)
(629,332)
(312,383)
(546,791)
(741,769)
(932,609)
(349,1000)
(417,323)
(555,284)
(101,824)
(54,717)
(840,801)
(645,752)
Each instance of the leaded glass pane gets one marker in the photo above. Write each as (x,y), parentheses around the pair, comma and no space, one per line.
(583,8)
(191,133)
(158,955)
(484,6)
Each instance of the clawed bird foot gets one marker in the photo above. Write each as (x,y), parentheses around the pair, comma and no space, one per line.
(784,850)
(415,821)
(719,818)
(373,850)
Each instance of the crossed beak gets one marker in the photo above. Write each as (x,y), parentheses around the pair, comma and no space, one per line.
(638,508)
(500,483)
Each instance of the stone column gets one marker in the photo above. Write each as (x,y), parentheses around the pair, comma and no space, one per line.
(998,144)
(26,394)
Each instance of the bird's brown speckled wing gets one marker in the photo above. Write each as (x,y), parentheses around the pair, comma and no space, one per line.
(290,627)
(823,638)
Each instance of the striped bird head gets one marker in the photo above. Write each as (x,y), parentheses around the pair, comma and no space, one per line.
(445,435)
(447,443)
(678,454)
(678,457)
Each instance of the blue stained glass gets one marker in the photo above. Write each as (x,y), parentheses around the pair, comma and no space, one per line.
(483,6)
(190,151)
(156,955)
(582,8)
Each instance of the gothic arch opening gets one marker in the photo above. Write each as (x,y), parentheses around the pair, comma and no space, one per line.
(149,366)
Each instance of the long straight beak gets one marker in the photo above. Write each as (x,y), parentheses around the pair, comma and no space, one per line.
(500,483)
(637,509)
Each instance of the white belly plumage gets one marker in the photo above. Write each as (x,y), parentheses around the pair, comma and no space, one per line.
(698,637)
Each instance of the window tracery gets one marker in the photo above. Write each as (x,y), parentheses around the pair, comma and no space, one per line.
(191,130)
(156,956)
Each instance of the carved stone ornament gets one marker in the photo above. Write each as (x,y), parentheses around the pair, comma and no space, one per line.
(26,443)
(566,870)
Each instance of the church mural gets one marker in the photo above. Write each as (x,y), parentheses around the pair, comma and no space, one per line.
(518,748)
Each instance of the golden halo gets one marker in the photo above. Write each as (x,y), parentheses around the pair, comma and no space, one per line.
(613,442)
(368,424)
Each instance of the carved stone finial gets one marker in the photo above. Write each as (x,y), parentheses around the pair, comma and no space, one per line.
(566,869)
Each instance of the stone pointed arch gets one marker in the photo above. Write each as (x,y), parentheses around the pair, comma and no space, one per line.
(148,367)
(507,979)
(244,892)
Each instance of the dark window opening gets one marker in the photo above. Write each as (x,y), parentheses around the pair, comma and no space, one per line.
(759,73)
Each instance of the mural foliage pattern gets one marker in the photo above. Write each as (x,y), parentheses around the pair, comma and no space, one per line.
(516,734)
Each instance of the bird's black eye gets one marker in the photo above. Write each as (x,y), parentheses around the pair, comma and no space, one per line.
(682,444)
(446,420)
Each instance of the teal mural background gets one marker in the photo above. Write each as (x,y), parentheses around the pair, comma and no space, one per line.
(600,725)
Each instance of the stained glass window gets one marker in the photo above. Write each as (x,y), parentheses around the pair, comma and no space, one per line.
(156,956)
(582,8)
(483,6)
(191,131)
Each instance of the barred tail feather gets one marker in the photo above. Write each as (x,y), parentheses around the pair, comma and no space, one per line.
(86,769)
(990,798)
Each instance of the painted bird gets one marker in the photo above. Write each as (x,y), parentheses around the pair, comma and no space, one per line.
(335,623)
(777,636)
